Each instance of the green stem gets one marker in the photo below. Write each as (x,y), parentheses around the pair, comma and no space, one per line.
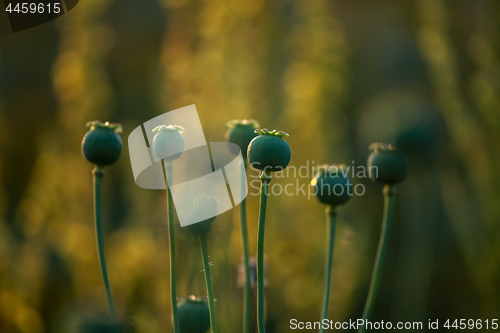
(264,188)
(98,173)
(208,280)
(389,198)
(331,215)
(167,173)
(247,292)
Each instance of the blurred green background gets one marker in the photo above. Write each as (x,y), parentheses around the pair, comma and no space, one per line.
(336,75)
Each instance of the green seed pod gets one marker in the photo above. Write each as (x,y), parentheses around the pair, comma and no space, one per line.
(332,184)
(168,143)
(102,144)
(241,132)
(104,327)
(203,205)
(269,151)
(387,164)
(194,314)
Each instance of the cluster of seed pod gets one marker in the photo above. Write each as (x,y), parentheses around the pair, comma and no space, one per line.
(264,150)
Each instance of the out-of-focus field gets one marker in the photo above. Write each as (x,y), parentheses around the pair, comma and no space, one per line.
(336,75)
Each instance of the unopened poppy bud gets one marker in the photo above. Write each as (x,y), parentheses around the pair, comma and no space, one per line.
(332,184)
(103,327)
(168,143)
(241,132)
(102,144)
(387,164)
(194,314)
(269,151)
(204,205)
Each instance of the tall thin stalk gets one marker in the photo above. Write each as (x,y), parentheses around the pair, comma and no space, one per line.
(264,192)
(331,218)
(167,173)
(247,291)
(208,281)
(389,199)
(98,174)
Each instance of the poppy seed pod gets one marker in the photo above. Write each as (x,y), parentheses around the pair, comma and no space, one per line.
(269,151)
(386,164)
(103,327)
(241,132)
(332,184)
(203,205)
(102,145)
(194,314)
(168,143)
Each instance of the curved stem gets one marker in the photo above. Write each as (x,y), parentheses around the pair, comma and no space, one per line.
(264,188)
(167,173)
(247,292)
(208,280)
(331,217)
(389,199)
(98,173)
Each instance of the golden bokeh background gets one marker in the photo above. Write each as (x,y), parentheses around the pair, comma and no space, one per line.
(336,75)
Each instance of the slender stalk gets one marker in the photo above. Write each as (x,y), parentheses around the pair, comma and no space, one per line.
(264,189)
(208,280)
(98,173)
(331,218)
(389,199)
(167,173)
(247,292)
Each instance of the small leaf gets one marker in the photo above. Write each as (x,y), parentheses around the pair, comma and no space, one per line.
(265,131)
(97,124)
(176,128)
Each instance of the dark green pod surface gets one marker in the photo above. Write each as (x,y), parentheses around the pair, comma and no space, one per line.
(168,143)
(241,133)
(103,327)
(269,151)
(332,185)
(387,164)
(194,315)
(102,145)
(203,205)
